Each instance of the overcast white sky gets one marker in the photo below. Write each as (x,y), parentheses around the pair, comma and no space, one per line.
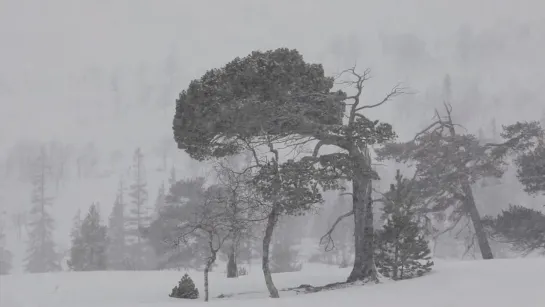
(46,46)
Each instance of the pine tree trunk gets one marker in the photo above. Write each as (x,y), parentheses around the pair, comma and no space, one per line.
(482,239)
(271,222)
(471,207)
(232,269)
(364,262)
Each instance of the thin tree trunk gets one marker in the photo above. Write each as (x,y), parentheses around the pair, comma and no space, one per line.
(271,222)
(396,254)
(206,269)
(209,263)
(364,262)
(482,239)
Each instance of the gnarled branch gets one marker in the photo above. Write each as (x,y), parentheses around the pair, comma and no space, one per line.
(330,245)
(396,91)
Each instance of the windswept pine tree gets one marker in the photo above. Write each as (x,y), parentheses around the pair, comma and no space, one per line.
(88,251)
(41,254)
(274,97)
(117,247)
(449,162)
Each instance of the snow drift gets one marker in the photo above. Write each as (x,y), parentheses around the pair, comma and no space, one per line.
(497,283)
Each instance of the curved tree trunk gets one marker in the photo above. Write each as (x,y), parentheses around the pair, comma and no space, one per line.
(364,263)
(482,239)
(271,222)
(209,263)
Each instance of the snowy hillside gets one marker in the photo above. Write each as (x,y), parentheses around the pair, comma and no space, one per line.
(498,283)
(113,83)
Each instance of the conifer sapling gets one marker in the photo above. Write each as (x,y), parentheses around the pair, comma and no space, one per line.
(185,289)
(402,250)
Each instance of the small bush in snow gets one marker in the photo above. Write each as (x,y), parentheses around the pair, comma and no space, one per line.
(242,271)
(185,289)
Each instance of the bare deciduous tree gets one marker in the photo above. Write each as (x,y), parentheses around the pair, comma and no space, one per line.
(209,221)
(242,207)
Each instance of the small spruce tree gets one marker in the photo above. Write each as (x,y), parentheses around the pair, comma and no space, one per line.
(402,250)
(117,247)
(76,251)
(403,253)
(88,252)
(41,255)
(185,289)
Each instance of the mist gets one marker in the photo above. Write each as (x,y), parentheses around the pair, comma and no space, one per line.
(95,80)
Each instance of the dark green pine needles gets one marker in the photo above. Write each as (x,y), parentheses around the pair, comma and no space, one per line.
(185,289)
(402,250)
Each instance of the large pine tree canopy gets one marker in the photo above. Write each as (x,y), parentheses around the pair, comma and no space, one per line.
(265,93)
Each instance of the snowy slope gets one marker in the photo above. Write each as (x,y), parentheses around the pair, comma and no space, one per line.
(72,63)
(498,283)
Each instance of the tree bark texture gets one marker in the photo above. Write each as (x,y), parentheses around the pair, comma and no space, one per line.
(271,222)
(471,208)
(209,263)
(364,263)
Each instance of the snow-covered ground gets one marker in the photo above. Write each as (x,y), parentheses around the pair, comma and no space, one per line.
(496,283)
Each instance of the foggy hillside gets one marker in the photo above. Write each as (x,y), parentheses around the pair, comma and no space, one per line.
(92,81)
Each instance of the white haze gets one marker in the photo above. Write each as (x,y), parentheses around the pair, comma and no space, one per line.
(58,59)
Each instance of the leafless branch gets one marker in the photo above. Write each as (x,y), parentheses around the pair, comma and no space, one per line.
(327,238)
(317,148)
(396,91)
